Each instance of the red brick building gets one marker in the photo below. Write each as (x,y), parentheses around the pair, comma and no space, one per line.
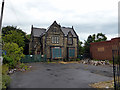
(103,50)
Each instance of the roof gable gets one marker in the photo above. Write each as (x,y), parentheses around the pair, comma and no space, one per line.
(38,32)
(54,26)
(66,30)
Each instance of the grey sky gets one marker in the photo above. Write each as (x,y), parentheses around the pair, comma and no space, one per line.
(87,16)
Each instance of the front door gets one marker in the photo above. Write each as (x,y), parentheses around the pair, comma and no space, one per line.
(56,52)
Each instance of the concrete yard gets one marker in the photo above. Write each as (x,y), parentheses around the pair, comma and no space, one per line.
(53,75)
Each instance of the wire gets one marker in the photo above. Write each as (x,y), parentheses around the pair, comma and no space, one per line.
(14,11)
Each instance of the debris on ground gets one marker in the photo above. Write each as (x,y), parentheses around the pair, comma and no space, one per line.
(11,71)
(105,84)
(96,63)
(62,62)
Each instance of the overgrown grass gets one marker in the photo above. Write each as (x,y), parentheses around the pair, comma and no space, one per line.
(4,78)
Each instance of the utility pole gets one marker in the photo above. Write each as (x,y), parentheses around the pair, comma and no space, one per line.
(2,8)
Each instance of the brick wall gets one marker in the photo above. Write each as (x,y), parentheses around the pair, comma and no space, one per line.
(103,50)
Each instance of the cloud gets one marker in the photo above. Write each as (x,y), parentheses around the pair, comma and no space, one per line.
(87,16)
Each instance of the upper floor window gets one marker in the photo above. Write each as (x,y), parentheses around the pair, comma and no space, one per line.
(55,29)
(55,39)
(70,40)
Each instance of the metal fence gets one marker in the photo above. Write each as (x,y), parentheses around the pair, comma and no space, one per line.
(33,58)
(116,68)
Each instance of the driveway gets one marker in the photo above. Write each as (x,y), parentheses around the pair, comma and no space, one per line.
(43,75)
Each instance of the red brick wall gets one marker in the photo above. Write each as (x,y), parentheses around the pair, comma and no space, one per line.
(103,50)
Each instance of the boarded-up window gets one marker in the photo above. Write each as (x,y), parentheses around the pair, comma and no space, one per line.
(71,52)
(56,52)
(101,49)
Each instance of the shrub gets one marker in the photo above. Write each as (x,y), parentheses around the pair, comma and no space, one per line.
(78,59)
(4,69)
(14,54)
(7,60)
(5,78)
(22,65)
(5,81)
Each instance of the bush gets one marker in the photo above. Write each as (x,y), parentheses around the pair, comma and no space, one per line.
(5,78)
(78,59)
(22,65)
(5,81)
(4,69)
(7,60)
(14,54)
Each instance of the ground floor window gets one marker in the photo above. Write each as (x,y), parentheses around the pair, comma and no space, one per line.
(56,52)
(71,52)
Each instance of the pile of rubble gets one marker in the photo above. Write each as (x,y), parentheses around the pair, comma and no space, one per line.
(96,63)
(18,69)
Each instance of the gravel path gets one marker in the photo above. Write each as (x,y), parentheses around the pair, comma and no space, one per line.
(43,75)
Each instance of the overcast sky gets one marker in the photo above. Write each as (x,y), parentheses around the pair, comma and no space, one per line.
(87,16)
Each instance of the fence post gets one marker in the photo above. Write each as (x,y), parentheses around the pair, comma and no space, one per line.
(114,70)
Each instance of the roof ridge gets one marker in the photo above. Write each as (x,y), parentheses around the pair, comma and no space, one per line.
(38,28)
(67,27)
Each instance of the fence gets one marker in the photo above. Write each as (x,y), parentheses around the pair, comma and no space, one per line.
(33,58)
(116,68)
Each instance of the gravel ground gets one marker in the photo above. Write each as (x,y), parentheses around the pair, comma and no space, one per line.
(43,75)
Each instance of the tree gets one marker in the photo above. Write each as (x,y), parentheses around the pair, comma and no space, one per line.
(101,37)
(87,46)
(92,38)
(24,41)
(5,30)
(15,37)
(14,52)
(80,47)
(28,36)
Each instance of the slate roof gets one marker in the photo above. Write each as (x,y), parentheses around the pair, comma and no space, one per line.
(37,32)
(68,29)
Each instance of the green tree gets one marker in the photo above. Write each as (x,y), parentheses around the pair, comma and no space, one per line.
(80,47)
(21,39)
(28,36)
(92,38)
(87,46)
(101,37)
(5,30)
(15,37)
(14,52)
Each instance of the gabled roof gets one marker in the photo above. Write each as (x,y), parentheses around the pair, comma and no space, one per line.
(66,30)
(37,32)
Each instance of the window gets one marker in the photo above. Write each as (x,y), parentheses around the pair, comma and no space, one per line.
(71,52)
(55,39)
(70,40)
(55,29)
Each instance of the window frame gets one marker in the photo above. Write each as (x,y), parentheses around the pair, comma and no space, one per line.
(55,39)
(70,40)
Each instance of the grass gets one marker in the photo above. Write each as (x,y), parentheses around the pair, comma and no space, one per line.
(105,84)
(0,77)
(110,61)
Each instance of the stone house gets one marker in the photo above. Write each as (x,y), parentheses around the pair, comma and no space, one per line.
(56,42)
